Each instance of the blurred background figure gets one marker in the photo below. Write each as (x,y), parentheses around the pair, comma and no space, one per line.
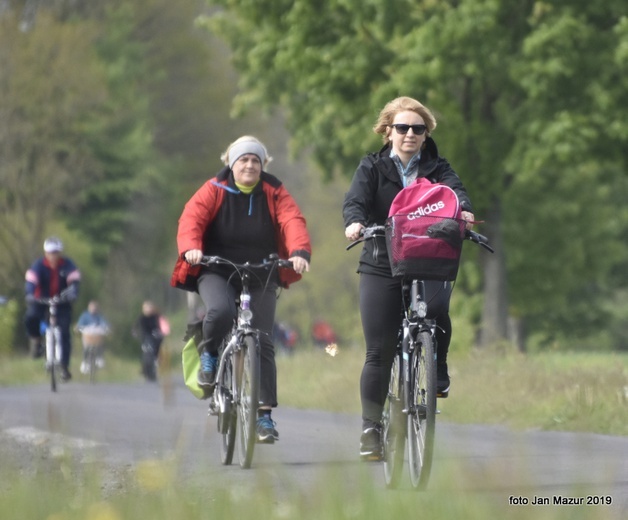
(93,328)
(323,333)
(285,337)
(150,328)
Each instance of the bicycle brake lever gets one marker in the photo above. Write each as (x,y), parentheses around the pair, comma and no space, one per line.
(354,243)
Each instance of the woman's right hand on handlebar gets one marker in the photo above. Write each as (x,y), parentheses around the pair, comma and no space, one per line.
(193,256)
(352,231)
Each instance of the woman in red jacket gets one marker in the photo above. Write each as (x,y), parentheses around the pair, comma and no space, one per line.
(243,214)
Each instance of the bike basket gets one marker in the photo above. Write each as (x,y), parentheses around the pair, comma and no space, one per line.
(93,340)
(424,247)
(93,335)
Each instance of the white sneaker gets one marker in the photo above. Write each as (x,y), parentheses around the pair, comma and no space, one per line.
(100,362)
(84,368)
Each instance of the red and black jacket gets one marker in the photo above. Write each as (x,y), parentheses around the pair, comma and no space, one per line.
(291,234)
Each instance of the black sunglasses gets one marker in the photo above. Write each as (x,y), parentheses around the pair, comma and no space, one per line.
(403,129)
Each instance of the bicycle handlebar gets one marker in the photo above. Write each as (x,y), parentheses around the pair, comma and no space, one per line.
(63,297)
(378,230)
(478,239)
(367,233)
(267,263)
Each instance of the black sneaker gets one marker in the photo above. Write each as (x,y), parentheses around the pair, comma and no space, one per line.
(442,380)
(371,444)
(266,432)
(65,374)
(36,348)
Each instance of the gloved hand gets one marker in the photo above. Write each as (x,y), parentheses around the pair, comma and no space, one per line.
(70,294)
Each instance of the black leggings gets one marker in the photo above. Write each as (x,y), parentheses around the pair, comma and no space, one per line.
(381,310)
(219,298)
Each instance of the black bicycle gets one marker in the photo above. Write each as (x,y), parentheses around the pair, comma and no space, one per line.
(150,357)
(235,399)
(410,407)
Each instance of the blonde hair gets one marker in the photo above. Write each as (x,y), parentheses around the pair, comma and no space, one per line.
(402,104)
(224,157)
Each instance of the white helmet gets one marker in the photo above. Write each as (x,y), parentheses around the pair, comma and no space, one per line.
(53,244)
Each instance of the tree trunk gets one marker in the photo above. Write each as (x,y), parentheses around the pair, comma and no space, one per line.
(494,327)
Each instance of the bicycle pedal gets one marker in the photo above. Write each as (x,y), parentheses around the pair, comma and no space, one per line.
(213,407)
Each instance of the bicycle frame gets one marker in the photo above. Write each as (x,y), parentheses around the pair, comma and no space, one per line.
(52,338)
(236,393)
(413,324)
(242,327)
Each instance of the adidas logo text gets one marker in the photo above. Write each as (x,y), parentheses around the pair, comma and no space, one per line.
(426,210)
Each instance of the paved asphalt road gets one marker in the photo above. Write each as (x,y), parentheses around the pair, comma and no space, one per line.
(125,424)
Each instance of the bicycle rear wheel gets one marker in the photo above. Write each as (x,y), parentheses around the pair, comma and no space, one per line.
(91,359)
(227,416)
(248,398)
(422,416)
(149,369)
(393,431)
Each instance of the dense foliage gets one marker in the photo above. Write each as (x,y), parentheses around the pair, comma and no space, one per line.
(530,98)
(112,113)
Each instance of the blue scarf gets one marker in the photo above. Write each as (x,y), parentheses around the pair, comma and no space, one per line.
(410,172)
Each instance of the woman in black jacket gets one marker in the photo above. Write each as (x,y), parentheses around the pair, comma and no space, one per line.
(409,152)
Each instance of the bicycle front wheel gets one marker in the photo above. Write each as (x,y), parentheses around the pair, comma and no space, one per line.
(422,416)
(92,364)
(248,398)
(149,368)
(393,431)
(51,358)
(227,417)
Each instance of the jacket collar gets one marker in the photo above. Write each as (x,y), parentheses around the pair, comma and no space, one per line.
(386,166)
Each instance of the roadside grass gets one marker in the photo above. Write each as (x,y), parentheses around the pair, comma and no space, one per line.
(586,392)
(22,370)
(568,391)
(154,490)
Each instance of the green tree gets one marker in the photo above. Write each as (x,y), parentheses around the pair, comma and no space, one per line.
(50,87)
(524,93)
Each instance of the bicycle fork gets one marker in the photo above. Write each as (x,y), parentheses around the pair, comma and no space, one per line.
(410,349)
(221,393)
(53,340)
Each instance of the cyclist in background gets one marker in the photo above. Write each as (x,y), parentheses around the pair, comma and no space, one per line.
(409,152)
(46,278)
(92,319)
(148,327)
(244,214)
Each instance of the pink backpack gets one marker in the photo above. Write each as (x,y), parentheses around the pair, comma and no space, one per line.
(425,231)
